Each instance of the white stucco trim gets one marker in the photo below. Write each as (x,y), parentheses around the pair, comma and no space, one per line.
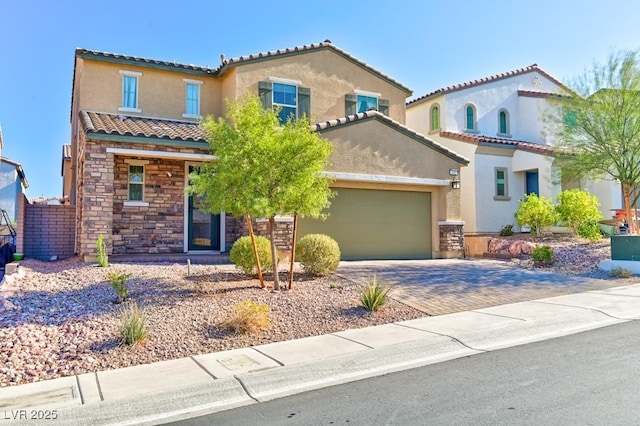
(359,177)
(190,81)
(285,81)
(366,93)
(451,222)
(161,154)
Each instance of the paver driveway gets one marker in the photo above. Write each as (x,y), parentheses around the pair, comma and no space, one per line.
(444,286)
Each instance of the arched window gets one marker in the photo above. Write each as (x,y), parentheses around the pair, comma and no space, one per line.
(503,122)
(470,116)
(435,117)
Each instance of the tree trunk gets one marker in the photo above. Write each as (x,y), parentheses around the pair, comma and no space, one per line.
(293,248)
(255,251)
(626,198)
(274,253)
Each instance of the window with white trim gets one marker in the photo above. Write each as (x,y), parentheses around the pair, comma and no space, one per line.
(130,91)
(435,118)
(135,182)
(470,118)
(503,123)
(365,103)
(285,96)
(192,98)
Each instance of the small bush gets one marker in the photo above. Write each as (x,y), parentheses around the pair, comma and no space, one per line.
(537,212)
(241,254)
(542,256)
(119,281)
(101,252)
(133,325)
(579,210)
(319,254)
(590,231)
(374,295)
(249,317)
(506,231)
(620,272)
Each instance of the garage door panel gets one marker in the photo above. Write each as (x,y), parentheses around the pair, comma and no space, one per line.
(376,224)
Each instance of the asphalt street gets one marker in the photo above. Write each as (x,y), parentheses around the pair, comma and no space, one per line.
(590,378)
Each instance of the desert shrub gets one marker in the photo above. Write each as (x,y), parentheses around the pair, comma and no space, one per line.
(101,252)
(241,254)
(579,211)
(374,295)
(620,272)
(506,231)
(133,325)
(537,212)
(119,282)
(542,256)
(319,254)
(249,317)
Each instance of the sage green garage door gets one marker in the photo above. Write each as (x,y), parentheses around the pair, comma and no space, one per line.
(375,224)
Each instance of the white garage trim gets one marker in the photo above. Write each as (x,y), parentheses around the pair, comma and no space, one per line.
(161,154)
(360,177)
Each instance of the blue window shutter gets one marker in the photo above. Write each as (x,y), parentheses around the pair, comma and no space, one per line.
(350,104)
(265,90)
(304,102)
(383,106)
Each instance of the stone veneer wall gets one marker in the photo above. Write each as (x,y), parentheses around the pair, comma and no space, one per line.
(49,230)
(236,227)
(451,237)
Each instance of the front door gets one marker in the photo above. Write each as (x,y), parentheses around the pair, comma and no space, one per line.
(203,227)
(532,183)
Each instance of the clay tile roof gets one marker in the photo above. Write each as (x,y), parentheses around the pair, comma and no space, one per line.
(394,124)
(307,48)
(112,124)
(448,89)
(478,139)
(19,169)
(140,61)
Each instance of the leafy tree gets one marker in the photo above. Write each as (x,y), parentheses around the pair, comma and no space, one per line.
(537,212)
(579,211)
(263,168)
(598,126)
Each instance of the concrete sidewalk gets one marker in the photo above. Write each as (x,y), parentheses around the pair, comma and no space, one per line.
(177,389)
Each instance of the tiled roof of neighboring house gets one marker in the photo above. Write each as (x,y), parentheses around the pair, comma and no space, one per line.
(534,94)
(307,48)
(113,124)
(478,139)
(116,57)
(326,125)
(496,77)
(19,169)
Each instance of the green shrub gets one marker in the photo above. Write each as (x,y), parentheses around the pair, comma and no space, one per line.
(374,295)
(579,211)
(319,254)
(249,317)
(101,252)
(536,212)
(620,272)
(506,231)
(542,256)
(241,254)
(133,325)
(119,281)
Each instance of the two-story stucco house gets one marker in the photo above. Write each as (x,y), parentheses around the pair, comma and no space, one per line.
(135,139)
(498,122)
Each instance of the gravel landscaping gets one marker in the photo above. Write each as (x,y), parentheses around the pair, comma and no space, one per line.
(60,318)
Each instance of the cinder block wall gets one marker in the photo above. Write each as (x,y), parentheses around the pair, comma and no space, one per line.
(49,231)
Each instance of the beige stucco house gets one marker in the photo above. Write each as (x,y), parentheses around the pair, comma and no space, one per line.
(135,139)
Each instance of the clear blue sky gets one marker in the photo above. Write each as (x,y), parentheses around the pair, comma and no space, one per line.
(424,44)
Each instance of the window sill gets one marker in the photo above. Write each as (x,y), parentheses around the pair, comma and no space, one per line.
(194,116)
(503,135)
(126,109)
(434,131)
(475,132)
(136,204)
(502,198)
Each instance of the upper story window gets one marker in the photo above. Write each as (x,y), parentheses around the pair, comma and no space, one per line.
(293,101)
(362,101)
(192,99)
(570,117)
(435,118)
(503,123)
(470,118)
(135,182)
(130,91)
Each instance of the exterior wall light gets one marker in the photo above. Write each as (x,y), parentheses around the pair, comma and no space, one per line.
(455,184)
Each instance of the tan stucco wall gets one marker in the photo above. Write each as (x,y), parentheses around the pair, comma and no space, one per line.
(328,75)
(160,93)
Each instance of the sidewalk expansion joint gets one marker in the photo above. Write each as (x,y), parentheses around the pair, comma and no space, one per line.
(614,294)
(244,388)
(99,387)
(268,356)
(499,316)
(203,367)
(587,309)
(352,341)
(455,339)
(79,390)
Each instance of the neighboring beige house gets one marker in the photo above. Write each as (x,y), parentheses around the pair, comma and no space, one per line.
(498,122)
(135,138)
